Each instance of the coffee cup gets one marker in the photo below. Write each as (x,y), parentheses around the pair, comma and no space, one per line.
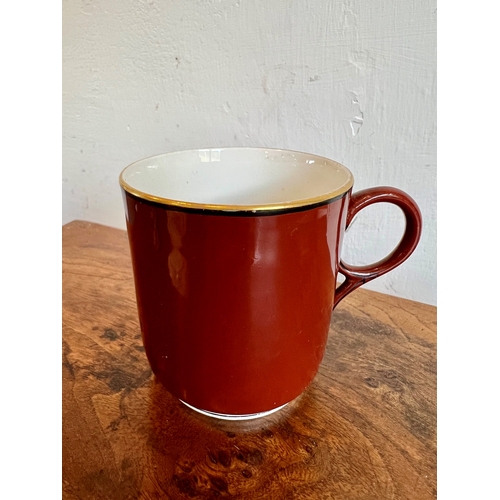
(236,254)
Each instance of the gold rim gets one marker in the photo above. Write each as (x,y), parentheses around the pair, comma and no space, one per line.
(240,208)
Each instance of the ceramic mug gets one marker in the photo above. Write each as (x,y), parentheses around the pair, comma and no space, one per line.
(235,254)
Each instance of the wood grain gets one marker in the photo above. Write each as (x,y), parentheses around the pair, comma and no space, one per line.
(364,429)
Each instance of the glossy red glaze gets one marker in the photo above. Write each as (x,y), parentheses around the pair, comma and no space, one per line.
(235,309)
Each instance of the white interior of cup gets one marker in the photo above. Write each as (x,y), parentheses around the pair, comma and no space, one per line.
(237,178)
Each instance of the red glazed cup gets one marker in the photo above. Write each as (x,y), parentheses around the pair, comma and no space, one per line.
(235,255)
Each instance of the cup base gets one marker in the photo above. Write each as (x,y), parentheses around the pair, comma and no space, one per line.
(225,416)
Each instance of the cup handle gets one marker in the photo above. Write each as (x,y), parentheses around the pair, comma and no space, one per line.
(355,276)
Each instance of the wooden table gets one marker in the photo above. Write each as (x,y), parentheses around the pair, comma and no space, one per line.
(364,429)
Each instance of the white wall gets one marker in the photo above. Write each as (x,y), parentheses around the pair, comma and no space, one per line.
(351,80)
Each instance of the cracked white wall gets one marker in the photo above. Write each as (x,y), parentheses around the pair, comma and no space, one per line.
(351,80)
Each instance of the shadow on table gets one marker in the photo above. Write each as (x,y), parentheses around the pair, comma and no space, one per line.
(278,456)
